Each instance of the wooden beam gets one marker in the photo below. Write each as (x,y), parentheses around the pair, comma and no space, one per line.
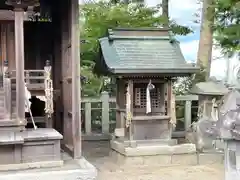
(3,42)
(130,88)
(76,86)
(19,57)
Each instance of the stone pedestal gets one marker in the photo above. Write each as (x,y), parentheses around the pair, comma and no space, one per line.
(232,159)
(151,127)
(151,135)
(162,156)
(30,149)
(151,147)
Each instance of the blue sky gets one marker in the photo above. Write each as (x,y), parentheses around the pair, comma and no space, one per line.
(183,13)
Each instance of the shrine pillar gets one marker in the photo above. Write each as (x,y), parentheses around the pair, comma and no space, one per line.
(19,57)
(76,85)
(18,7)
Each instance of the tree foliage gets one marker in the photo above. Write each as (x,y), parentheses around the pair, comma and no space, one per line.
(227,25)
(98,17)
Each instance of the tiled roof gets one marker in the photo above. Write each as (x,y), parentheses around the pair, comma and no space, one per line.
(144,54)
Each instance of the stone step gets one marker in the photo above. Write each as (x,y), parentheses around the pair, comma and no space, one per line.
(163,160)
(73,170)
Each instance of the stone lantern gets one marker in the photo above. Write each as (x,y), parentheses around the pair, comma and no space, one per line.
(227,128)
(229,131)
(210,96)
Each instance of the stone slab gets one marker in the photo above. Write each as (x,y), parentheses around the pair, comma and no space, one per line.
(151,142)
(210,158)
(183,154)
(166,160)
(34,165)
(30,149)
(149,150)
(7,137)
(74,170)
(10,138)
(41,134)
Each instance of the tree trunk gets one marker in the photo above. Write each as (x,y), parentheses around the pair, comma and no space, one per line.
(204,55)
(165,11)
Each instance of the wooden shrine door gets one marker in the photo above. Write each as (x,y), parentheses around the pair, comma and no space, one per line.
(71,78)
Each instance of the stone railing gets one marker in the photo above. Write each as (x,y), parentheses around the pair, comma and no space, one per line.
(98,116)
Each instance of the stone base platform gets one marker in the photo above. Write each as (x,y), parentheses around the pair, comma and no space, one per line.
(151,147)
(167,160)
(162,155)
(30,149)
(79,169)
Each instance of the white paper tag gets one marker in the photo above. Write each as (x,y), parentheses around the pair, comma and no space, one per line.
(120,132)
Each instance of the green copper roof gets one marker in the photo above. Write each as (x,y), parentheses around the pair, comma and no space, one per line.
(143,54)
(209,88)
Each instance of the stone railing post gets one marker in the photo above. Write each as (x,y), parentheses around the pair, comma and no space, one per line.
(27,77)
(188,114)
(88,118)
(105,112)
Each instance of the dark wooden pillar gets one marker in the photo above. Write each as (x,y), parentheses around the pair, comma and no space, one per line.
(3,45)
(76,86)
(120,103)
(19,57)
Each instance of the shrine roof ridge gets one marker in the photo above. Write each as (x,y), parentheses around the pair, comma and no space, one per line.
(171,71)
(114,37)
(139,33)
(140,29)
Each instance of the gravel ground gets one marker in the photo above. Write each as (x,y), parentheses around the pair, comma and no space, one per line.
(98,154)
(214,172)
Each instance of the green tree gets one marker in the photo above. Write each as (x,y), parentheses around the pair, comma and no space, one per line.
(99,17)
(227,25)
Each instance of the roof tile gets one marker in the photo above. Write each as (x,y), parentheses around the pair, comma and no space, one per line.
(143,54)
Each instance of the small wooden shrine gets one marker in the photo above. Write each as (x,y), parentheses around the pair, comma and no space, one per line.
(143,63)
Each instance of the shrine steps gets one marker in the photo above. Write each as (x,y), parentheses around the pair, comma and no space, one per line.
(30,149)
